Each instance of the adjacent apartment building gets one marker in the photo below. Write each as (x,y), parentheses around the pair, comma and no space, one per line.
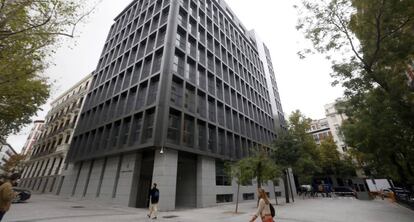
(45,162)
(180,87)
(320,130)
(34,134)
(329,127)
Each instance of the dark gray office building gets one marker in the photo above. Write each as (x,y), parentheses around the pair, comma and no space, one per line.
(180,87)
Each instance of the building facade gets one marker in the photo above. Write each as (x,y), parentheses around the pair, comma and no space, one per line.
(45,162)
(335,120)
(320,130)
(180,87)
(6,151)
(34,134)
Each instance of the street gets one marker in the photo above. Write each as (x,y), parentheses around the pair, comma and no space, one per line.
(52,208)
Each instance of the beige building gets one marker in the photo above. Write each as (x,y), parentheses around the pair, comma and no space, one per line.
(32,138)
(335,120)
(329,126)
(45,163)
(320,130)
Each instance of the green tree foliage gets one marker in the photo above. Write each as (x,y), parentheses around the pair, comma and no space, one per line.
(334,163)
(259,166)
(330,156)
(371,44)
(381,143)
(297,149)
(29,31)
(241,173)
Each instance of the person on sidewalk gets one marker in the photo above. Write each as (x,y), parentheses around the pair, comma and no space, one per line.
(154,197)
(263,210)
(7,194)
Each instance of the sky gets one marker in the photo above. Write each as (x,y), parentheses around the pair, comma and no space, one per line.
(304,84)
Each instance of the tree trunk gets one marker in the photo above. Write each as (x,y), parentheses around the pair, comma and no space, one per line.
(237,197)
(286,187)
(290,184)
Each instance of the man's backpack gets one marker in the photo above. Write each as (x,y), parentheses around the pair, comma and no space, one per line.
(272,210)
(156,194)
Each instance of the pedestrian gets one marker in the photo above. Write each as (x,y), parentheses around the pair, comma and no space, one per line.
(7,194)
(154,197)
(263,210)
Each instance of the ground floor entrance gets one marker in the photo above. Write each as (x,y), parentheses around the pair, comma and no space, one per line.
(184,180)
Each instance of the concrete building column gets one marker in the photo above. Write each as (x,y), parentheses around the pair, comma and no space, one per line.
(55,165)
(69,178)
(127,177)
(206,181)
(165,175)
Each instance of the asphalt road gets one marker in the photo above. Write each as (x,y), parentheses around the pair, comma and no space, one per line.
(51,208)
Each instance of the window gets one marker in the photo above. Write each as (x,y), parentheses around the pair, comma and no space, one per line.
(156,65)
(201,105)
(211,109)
(149,125)
(189,99)
(202,135)
(212,138)
(201,80)
(179,64)
(115,134)
(125,131)
(153,90)
(136,129)
(174,122)
(146,68)
(222,179)
(224,198)
(188,131)
(177,92)
(248,196)
(142,93)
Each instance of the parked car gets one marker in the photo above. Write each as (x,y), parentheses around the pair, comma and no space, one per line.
(22,194)
(401,192)
(344,191)
(398,191)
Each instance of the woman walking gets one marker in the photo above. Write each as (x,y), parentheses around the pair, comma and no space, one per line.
(7,194)
(263,210)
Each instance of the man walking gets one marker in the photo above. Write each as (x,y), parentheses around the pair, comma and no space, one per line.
(154,197)
(7,194)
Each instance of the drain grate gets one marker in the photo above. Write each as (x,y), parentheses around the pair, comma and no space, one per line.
(77,206)
(170,216)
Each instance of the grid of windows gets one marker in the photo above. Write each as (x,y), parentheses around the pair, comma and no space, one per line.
(218,95)
(216,66)
(119,108)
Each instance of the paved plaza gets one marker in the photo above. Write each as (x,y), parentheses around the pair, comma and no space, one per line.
(51,208)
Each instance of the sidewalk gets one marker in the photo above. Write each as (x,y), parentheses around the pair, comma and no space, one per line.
(52,208)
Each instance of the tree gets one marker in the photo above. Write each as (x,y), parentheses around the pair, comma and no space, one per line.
(242,173)
(330,156)
(259,166)
(29,34)
(297,149)
(14,164)
(381,143)
(371,44)
(334,163)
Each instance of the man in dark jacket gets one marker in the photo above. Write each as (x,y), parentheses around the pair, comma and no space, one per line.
(7,194)
(154,197)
